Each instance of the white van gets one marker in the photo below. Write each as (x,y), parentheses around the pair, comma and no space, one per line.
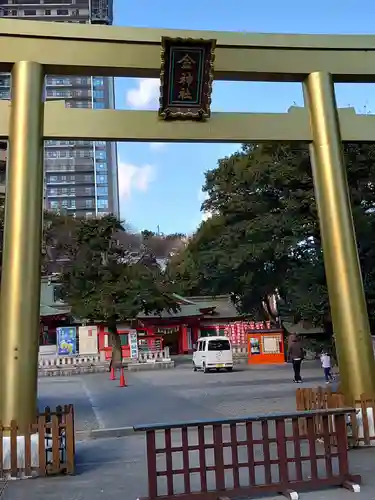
(213,353)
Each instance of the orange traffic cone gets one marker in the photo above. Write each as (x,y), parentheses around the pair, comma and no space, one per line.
(122,378)
(113,375)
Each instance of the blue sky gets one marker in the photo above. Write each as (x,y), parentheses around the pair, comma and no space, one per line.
(160,184)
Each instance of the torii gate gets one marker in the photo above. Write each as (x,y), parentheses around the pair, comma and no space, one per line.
(29,50)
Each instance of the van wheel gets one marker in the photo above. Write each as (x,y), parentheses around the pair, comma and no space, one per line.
(194,367)
(230,369)
(205,370)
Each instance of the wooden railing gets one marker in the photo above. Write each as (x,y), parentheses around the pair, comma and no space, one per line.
(262,454)
(47,448)
(360,425)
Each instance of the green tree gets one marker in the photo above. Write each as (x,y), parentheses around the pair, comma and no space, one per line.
(105,282)
(56,233)
(264,232)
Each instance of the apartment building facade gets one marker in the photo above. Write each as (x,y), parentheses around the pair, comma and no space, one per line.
(81,177)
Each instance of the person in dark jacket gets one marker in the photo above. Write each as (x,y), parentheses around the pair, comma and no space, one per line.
(296,355)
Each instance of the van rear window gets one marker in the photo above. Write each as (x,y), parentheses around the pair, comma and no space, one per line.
(218,345)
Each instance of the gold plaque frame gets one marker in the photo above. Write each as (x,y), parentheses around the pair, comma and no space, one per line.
(202,110)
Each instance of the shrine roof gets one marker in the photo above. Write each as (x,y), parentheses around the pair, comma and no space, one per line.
(52,311)
(204,306)
(185,311)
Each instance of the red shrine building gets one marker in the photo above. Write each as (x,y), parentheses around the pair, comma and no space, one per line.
(197,317)
(179,331)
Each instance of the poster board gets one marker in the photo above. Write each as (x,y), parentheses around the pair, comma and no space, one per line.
(88,340)
(133,343)
(266,347)
(66,337)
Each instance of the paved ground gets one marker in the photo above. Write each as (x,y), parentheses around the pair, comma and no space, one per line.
(110,469)
(114,469)
(175,395)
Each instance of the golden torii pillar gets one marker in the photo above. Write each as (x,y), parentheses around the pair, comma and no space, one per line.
(32,49)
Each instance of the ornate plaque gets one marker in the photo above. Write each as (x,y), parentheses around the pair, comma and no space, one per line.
(186,78)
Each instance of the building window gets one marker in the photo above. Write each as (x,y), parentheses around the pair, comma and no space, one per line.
(101,155)
(47,12)
(54,204)
(52,192)
(29,12)
(102,179)
(68,204)
(98,94)
(89,190)
(62,12)
(89,203)
(59,81)
(103,190)
(4,94)
(124,339)
(103,203)
(82,104)
(58,93)
(98,82)
(99,105)
(88,178)
(101,166)
(85,154)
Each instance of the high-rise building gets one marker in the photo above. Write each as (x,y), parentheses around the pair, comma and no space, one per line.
(80,176)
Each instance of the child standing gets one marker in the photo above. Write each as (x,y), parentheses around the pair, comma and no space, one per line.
(325,359)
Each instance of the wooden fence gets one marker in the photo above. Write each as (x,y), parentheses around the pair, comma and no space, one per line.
(360,426)
(47,448)
(251,456)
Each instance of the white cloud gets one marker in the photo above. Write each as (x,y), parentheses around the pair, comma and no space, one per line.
(134,178)
(157,146)
(145,95)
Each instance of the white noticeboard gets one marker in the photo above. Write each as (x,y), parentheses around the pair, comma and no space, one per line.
(88,340)
(271,345)
(133,343)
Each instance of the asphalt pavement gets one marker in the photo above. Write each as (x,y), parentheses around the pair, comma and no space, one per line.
(175,395)
(115,468)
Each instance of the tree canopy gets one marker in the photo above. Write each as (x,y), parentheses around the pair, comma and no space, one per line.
(264,231)
(104,282)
